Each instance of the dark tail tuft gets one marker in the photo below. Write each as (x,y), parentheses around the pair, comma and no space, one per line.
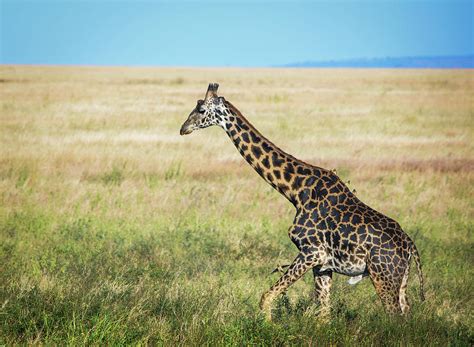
(416,257)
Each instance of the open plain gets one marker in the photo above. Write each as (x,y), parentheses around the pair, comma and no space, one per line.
(114,229)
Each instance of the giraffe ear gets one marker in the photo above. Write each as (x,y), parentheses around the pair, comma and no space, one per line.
(212,90)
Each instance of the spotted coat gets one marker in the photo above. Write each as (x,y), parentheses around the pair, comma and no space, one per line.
(333,230)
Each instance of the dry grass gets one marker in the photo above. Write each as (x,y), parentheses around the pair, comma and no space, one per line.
(91,161)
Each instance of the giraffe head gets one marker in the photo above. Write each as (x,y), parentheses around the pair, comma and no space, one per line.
(207,112)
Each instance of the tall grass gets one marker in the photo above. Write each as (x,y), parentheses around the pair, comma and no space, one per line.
(115,230)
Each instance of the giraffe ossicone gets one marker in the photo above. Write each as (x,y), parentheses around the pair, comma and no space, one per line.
(333,230)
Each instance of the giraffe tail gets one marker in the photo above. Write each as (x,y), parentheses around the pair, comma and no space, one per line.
(416,257)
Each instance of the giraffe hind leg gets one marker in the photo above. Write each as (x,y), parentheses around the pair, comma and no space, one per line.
(387,285)
(404,304)
(389,294)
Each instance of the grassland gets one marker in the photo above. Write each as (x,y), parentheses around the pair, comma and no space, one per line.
(114,229)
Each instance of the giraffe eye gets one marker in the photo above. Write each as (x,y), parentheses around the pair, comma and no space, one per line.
(201,111)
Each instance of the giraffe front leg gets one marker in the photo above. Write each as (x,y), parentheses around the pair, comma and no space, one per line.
(303,262)
(322,291)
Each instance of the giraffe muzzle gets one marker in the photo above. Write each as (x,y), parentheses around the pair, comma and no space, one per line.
(185,129)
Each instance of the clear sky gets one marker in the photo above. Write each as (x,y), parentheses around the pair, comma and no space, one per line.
(247,33)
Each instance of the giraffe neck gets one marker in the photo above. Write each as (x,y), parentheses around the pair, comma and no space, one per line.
(288,175)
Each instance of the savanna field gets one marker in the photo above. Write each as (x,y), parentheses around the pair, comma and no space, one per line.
(115,230)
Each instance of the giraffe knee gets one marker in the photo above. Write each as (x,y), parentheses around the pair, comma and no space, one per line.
(264,301)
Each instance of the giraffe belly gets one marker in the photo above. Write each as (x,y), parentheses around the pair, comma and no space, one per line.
(354,268)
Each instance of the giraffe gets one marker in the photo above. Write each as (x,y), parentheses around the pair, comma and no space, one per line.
(333,230)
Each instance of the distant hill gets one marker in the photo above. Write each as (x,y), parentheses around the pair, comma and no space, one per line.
(440,62)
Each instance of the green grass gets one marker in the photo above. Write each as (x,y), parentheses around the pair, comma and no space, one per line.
(114,230)
(84,280)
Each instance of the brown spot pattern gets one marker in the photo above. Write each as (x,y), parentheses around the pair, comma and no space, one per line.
(333,230)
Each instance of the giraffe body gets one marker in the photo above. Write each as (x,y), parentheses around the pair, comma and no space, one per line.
(333,230)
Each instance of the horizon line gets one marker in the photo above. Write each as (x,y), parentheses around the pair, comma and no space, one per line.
(322,64)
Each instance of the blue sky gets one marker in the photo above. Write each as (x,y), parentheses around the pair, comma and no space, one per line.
(258,33)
